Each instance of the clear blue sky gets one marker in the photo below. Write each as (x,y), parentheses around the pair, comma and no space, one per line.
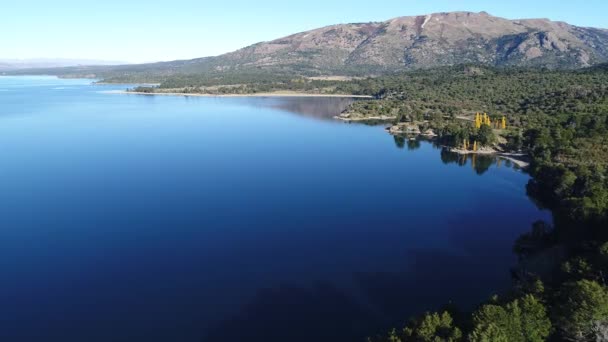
(138,31)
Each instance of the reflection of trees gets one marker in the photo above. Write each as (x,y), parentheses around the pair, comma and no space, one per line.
(482,163)
(413,144)
(316,107)
(448,157)
(463,159)
(399,141)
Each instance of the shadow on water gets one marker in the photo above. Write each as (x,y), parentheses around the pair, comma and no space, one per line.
(385,299)
(381,300)
(323,313)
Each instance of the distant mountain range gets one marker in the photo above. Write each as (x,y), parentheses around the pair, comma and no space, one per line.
(19,64)
(427,41)
(439,39)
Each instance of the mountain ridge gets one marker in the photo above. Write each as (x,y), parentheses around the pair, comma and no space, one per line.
(397,44)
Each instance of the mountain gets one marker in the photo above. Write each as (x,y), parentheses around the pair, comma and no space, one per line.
(428,41)
(403,43)
(18,64)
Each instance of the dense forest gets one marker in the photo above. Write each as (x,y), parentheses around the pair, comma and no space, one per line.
(560,119)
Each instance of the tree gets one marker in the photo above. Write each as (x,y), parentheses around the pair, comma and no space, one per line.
(432,327)
(536,325)
(496,321)
(488,333)
(485,135)
(514,142)
(522,320)
(438,328)
(583,310)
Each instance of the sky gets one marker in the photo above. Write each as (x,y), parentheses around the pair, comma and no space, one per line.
(144,31)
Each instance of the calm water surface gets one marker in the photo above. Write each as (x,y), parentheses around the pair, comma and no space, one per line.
(141,218)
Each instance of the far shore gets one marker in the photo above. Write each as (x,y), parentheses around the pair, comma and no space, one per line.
(272,94)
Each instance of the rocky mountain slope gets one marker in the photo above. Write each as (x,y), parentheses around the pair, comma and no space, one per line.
(402,43)
(427,41)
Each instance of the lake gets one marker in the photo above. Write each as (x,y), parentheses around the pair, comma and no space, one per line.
(158,218)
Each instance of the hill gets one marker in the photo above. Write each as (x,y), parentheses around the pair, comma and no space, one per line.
(404,43)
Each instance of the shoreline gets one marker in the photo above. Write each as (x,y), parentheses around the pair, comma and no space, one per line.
(519,159)
(382,118)
(273,94)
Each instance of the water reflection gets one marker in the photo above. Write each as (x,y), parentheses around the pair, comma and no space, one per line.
(324,108)
(480,163)
(380,300)
(412,143)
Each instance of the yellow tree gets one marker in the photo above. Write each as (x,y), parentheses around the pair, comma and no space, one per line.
(477,121)
(475,146)
(504,122)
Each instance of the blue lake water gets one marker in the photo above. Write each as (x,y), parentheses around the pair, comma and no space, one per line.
(142,218)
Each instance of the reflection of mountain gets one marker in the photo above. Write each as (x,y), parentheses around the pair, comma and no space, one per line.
(315,107)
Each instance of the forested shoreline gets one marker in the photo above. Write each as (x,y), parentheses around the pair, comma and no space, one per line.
(560,120)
